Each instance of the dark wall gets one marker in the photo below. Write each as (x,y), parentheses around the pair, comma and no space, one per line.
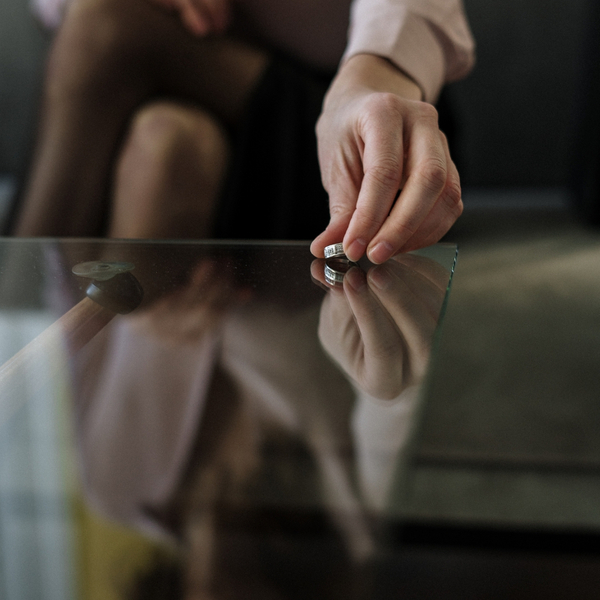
(517,110)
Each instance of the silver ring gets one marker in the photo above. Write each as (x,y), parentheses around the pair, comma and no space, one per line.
(336,269)
(333,277)
(334,250)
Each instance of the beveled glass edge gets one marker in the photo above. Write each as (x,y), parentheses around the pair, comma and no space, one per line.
(399,489)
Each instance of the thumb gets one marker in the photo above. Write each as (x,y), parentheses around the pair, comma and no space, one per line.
(335,230)
(343,189)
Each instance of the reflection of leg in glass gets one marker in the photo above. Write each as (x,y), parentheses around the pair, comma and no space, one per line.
(109,59)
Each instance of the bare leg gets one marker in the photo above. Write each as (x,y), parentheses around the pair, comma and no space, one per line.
(169,174)
(109,58)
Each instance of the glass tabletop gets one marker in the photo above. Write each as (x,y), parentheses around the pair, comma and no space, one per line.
(206,420)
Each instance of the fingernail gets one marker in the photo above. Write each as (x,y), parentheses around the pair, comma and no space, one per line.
(381,252)
(380,278)
(356,249)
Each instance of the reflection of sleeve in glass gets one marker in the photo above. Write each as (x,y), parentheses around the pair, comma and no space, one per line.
(140,420)
(381,431)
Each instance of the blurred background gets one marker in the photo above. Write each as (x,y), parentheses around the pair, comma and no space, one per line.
(518,114)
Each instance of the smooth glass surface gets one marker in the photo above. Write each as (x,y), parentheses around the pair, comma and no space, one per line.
(236,435)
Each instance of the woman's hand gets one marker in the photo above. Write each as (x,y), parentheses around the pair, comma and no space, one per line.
(375,138)
(201,17)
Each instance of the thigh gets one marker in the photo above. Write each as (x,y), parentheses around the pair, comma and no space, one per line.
(143,42)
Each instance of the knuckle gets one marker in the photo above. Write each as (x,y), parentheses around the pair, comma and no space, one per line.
(386,172)
(385,102)
(452,198)
(381,109)
(453,191)
(427,112)
(339,211)
(432,173)
(323,124)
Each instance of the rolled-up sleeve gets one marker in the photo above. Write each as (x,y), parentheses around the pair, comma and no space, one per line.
(429,40)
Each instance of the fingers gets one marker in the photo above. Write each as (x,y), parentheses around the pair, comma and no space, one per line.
(408,295)
(359,334)
(385,370)
(408,298)
(396,143)
(342,175)
(204,16)
(378,331)
(426,175)
(382,161)
(446,209)
(333,233)
(379,326)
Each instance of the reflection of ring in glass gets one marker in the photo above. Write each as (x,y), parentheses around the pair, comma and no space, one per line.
(333,277)
(336,269)
(334,250)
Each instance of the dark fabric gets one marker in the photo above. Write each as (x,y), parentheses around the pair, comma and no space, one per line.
(273,189)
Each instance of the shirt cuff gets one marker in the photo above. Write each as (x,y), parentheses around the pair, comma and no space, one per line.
(406,39)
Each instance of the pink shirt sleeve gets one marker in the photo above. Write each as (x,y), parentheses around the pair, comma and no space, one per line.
(429,40)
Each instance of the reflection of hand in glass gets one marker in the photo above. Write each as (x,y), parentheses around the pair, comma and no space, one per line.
(195,308)
(379,326)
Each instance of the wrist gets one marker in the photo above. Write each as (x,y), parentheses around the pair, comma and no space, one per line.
(375,74)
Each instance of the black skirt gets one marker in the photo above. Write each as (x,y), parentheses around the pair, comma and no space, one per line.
(273,189)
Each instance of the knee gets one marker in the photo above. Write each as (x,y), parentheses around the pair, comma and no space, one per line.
(168,140)
(169,174)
